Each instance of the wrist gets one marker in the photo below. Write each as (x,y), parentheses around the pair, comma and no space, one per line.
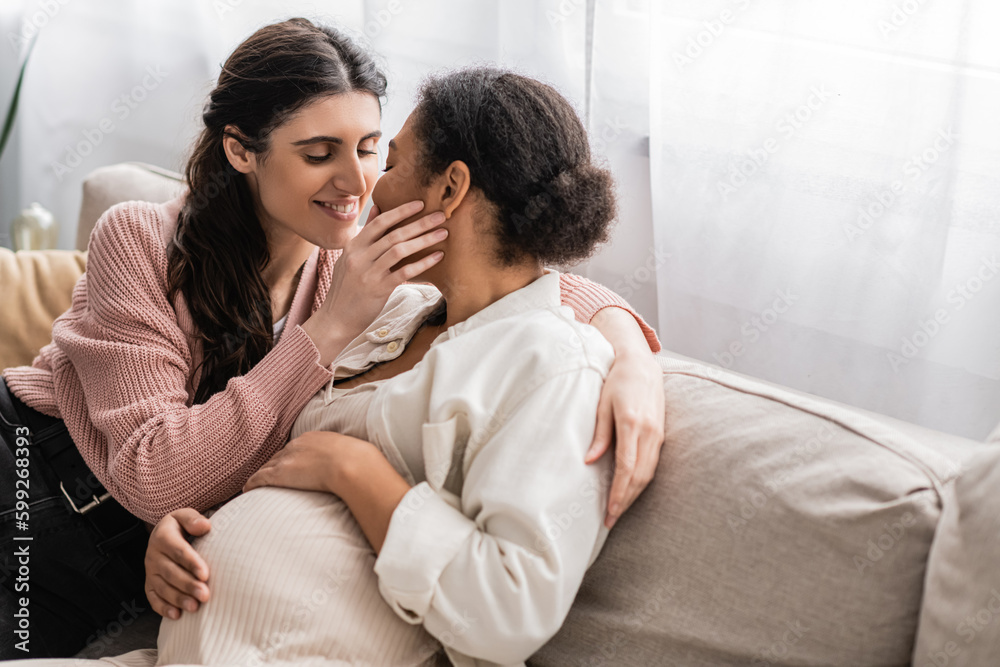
(618,326)
(628,353)
(328,334)
(348,465)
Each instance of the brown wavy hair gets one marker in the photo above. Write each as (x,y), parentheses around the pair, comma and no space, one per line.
(219,248)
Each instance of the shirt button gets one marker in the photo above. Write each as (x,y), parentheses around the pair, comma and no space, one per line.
(392,347)
(382,333)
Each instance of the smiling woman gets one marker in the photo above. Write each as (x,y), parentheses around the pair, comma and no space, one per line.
(310,186)
(306,178)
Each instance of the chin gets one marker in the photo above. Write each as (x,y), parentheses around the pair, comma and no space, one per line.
(333,239)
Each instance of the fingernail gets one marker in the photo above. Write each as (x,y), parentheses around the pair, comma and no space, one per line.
(611,522)
(173,614)
(438,217)
(440,233)
(190,605)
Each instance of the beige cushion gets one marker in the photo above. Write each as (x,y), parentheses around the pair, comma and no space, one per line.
(128,181)
(960,622)
(780,530)
(37,288)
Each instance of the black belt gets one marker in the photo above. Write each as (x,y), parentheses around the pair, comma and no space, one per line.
(85,495)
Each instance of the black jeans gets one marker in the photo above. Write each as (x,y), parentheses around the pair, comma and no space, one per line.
(62,583)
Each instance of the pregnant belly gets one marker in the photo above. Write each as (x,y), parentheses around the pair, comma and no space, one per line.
(292,580)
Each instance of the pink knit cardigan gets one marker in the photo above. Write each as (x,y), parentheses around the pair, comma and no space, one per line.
(118,372)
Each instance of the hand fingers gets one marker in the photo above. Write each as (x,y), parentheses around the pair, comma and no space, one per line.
(378,225)
(182,581)
(192,521)
(414,269)
(401,251)
(373,213)
(161,606)
(417,229)
(642,475)
(172,596)
(260,478)
(626,455)
(602,432)
(256,480)
(171,543)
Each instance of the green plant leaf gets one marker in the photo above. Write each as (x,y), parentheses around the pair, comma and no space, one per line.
(8,124)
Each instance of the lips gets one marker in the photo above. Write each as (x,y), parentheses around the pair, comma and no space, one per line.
(340,208)
(343,212)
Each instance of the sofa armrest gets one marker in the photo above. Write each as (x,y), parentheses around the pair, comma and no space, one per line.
(37,288)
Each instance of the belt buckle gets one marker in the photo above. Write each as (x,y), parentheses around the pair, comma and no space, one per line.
(89,506)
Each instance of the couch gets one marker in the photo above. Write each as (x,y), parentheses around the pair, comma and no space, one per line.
(781,529)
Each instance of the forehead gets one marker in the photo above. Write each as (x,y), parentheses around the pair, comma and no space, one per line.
(404,137)
(348,114)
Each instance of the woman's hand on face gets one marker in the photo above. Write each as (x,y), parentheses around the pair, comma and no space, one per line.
(363,277)
(175,572)
(630,413)
(311,462)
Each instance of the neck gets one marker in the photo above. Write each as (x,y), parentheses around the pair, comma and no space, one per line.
(288,252)
(477,289)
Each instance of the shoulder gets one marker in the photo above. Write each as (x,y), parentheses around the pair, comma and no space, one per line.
(127,253)
(138,227)
(552,341)
(526,349)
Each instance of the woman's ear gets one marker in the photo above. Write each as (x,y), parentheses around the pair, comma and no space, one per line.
(455,185)
(243,160)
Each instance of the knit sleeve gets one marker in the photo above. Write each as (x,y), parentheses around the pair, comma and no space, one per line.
(130,367)
(586,298)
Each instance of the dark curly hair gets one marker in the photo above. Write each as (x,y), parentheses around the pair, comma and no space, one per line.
(219,248)
(527,151)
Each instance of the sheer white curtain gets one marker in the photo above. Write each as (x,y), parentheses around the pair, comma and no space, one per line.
(826,178)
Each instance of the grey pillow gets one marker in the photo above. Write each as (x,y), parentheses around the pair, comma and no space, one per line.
(779,530)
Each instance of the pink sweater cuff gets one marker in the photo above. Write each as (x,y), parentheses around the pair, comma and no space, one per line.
(586,298)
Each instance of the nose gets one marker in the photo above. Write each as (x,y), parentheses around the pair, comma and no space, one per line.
(350,178)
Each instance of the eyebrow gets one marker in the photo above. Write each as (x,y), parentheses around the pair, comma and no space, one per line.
(324,139)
